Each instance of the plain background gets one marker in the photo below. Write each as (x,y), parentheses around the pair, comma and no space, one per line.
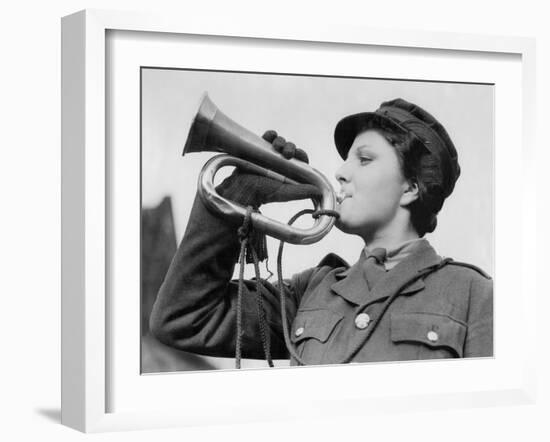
(30,225)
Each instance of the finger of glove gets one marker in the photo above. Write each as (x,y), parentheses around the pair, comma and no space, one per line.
(289,150)
(291,192)
(278,144)
(269,136)
(301,155)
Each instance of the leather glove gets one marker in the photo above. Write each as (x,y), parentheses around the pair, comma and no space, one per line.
(246,188)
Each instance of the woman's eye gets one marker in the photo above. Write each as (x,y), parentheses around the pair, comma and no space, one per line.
(364,160)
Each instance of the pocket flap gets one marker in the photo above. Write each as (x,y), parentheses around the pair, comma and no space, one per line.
(431,329)
(317,324)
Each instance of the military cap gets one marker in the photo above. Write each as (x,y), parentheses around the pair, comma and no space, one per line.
(405,117)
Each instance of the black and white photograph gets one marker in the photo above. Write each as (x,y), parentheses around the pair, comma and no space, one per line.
(381,191)
(311,221)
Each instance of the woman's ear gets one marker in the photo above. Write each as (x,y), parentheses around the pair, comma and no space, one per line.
(410,193)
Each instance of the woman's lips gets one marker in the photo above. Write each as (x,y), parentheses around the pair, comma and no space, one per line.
(341,196)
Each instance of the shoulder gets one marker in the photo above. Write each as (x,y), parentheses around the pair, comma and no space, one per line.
(465,277)
(315,275)
(329,263)
(449,268)
(333,261)
(467,268)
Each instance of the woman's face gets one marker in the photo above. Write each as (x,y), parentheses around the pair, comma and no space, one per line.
(372,184)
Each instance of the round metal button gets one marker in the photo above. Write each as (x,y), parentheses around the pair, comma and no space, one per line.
(432,336)
(299,331)
(362,321)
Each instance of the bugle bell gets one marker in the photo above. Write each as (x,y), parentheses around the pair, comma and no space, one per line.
(213,131)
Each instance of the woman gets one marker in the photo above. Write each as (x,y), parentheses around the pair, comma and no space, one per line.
(399,301)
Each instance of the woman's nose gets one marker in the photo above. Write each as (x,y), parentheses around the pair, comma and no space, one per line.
(340,174)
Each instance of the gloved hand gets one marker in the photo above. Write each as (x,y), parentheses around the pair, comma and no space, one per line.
(246,188)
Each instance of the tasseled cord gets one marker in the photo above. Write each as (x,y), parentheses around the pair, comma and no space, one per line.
(246,233)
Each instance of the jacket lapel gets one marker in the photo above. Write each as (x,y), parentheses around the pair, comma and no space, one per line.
(351,283)
(353,287)
(423,257)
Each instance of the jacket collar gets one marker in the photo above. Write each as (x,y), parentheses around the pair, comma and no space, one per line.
(351,283)
(352,286)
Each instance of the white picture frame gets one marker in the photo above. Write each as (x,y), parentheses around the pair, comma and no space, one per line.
(86,206)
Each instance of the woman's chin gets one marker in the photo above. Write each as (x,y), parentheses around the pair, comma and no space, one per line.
(345,221)
(344,225)
(347,225)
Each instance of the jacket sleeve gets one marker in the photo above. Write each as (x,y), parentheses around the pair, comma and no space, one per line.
(479,337)
(195,309)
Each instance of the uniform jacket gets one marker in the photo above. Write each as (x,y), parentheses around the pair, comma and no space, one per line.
(446,314)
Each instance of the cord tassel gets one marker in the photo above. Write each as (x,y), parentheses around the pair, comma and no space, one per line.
(249,239)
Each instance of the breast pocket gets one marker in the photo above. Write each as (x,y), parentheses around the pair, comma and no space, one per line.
(311,330)
(438,334)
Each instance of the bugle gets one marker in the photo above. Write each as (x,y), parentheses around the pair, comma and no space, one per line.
(211,130)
